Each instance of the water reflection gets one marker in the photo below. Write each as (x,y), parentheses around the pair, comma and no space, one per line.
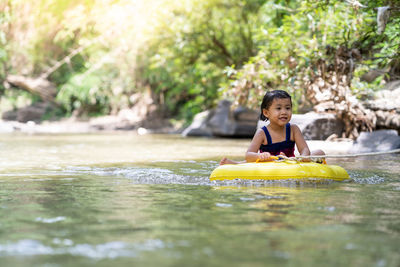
(297,206)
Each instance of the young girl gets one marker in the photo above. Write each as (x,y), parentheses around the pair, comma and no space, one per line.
(279,137)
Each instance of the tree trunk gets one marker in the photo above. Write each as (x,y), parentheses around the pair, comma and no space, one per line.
(38,86)
(329,91)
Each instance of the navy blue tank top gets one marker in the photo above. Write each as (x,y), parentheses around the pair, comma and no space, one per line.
(275,149)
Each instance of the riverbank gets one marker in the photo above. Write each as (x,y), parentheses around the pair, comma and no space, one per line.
(93,125)
(109,124)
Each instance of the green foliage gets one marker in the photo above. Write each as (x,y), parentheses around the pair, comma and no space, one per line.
(184,62)
(4,20)
(63,28)
(84,93)
(305,33)
(388,50)
(189,53)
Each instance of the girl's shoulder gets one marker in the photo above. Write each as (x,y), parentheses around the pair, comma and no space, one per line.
(260,133)
(294,127)
(294,131)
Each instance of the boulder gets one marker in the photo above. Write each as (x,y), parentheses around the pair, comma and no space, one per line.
(381,140)
(315,126)
(10,115)
(393,85)
(243,122)
(224,122)
(199,125)
(386,106)
(386,100)
(33,112)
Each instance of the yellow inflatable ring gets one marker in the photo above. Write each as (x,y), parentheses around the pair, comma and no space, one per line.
(276,170)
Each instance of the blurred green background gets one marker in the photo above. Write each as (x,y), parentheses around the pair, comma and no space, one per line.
(101,56)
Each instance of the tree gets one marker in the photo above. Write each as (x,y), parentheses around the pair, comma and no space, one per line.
(317,51)
(183,63)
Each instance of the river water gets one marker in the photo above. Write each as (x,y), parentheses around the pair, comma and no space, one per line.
(129,200)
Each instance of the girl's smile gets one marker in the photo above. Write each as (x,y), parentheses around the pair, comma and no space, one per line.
(280,111)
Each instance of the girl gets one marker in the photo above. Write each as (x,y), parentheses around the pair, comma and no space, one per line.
(279,137)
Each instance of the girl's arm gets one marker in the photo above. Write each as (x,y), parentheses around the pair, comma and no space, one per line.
(252,154)
(301,144)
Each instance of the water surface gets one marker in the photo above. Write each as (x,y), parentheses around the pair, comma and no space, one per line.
(128,200)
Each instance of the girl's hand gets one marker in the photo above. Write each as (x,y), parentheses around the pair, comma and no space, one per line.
(265,156)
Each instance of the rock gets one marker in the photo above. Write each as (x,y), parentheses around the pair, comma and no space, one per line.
(199,125)
(222,122)
(387,120)
(241,122)
(393,85)
(30,114)
(316,126)
(245,129)
(10,115)
(33,112)
(385,100)
(245,114)
(386,106)
(381,140)
(244,122)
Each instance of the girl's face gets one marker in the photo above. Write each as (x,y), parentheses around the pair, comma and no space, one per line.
(280,111)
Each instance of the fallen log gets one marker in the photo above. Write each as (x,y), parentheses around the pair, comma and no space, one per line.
(37,86)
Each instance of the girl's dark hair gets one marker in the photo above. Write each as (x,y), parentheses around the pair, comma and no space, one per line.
(269,97)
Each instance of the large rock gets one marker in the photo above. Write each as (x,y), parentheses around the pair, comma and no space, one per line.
(199,125)
(381,140)
(243,122)
(386,105)
(393,85)
(387,100)
(316,126)
(222,121)
(33,112)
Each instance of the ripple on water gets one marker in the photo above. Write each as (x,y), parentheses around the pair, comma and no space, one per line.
(50,220)
(110,250)
(367,178)
(146,175)
(191,173)
(182,172)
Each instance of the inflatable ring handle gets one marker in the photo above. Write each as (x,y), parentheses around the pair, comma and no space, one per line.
(271,157)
